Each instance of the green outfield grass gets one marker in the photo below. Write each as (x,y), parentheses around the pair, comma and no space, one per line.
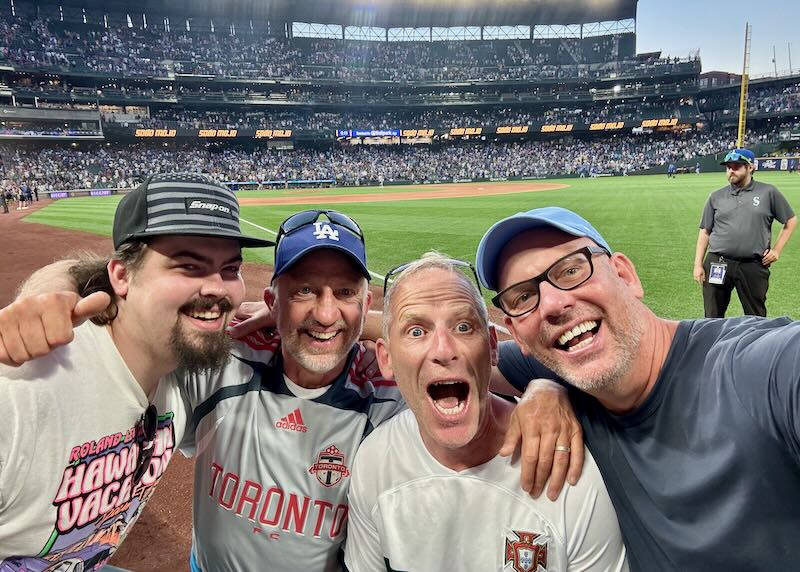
(652,219)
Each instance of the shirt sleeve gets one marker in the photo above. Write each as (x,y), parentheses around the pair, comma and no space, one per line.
(518,368)
(766,374)
(707,220)
(781,209)
(362,551)
(594,540)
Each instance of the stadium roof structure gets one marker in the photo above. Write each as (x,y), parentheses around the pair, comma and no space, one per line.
(383,13)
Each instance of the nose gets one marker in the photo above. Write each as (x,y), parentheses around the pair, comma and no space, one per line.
(326,310)
(443,349)
(553,302)
(213,286)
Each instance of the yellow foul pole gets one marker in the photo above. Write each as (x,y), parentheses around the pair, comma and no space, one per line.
(743,91)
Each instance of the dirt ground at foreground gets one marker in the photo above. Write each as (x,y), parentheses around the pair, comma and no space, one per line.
(161,539)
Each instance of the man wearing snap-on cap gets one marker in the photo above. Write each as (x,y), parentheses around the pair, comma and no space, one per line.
(88,430)
(736,232)
(694,425)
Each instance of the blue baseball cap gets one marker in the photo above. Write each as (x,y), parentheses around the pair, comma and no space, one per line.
(295,244)
(739,156)
(501,233)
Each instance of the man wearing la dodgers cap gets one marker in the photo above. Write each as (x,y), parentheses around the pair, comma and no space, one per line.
(734,244)
(694,424)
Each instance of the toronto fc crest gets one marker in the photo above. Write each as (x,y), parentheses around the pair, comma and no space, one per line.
(524,553)
(330,468)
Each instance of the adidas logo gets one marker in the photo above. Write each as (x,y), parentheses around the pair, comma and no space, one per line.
(292,422)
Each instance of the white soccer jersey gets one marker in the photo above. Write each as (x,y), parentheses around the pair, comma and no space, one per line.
(273,469)
(68,452)
(410,513)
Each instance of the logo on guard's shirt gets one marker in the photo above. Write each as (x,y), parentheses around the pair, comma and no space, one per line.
(330,468)
(323,230)
(207,207)
(292,422)
(524,554)
(756,201)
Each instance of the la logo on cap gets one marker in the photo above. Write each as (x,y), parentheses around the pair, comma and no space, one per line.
(323,230)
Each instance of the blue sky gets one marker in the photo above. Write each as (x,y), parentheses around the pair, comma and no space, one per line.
(716,28)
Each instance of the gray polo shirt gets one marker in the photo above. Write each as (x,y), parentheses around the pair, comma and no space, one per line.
(739,221)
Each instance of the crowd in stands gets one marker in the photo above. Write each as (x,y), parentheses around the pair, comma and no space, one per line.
(132,51)
(121,166)
(760,100)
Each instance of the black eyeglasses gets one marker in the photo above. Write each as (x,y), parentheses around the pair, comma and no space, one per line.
(146,437)
(397,270)
(305,218)
(565,273)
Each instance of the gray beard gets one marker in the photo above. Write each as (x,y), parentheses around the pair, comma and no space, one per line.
(629,342)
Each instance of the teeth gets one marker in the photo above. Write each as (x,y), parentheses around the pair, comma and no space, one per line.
(577,331)
(580,345)
(450,410)
(205,315)
(322,335)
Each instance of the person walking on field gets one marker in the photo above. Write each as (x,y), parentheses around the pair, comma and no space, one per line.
(734,245)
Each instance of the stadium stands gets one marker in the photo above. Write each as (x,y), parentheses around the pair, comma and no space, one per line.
(266,103)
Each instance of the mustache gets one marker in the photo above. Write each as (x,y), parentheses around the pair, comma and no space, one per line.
(203,304)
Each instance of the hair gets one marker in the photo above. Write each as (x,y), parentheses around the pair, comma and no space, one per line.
(90,274)
(432,260)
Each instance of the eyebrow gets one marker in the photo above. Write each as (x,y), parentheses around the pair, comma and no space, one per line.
(204,259)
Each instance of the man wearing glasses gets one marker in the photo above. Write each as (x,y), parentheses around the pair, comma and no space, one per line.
(694,425)
(429,490)
(736,239)
(88,429)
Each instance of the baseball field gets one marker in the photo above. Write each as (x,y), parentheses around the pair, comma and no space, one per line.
(651,218)
(654,220)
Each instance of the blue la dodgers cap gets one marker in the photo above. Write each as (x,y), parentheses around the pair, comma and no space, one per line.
(739,156)
(501,233)
(320,234)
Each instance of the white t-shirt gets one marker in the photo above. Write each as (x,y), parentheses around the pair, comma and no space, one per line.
(410,513)
(68,453)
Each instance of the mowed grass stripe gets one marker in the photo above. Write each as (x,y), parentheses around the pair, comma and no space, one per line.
(654,220)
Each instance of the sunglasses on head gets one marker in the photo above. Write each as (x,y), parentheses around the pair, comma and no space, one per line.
(306,218)
(145,430)
(462,264)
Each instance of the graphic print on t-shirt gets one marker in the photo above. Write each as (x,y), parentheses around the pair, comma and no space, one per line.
(97,501)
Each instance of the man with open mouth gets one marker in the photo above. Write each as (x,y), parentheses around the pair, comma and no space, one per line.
(429,490)
(694,424)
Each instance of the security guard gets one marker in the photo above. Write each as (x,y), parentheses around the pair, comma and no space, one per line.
(736,230)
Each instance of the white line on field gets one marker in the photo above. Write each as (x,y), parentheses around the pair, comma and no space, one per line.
(497,327)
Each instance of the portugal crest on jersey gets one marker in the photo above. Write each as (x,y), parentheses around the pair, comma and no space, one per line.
(524,554)
(330,468)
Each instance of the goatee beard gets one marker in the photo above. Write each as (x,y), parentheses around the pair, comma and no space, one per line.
(198,351)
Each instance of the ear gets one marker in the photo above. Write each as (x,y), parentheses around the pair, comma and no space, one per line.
(119,277)
(384,359)
(510,324)
(625,271)
(269,297)
(367,302)
(493,345)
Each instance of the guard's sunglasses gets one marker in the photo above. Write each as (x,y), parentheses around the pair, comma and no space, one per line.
(455,262)
(305,218)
